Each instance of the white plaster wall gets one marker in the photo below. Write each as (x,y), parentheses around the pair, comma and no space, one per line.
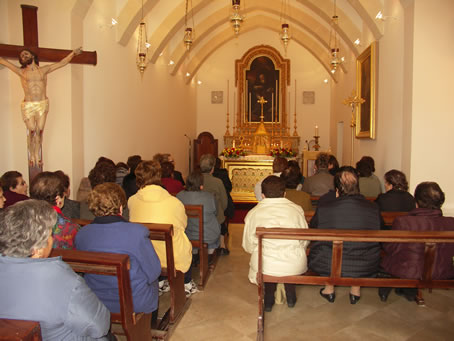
(126,113)
(307,71)
(433,119)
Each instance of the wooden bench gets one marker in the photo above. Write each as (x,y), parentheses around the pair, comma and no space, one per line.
(164,232)
(20,330)
(136,326)
(196,211)
(338,237)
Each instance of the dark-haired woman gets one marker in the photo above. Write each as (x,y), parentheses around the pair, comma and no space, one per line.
(396,198)
(48,186)
(406,260)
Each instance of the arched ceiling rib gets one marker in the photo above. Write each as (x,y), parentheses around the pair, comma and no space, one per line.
(313,18)
(318,34)
(252,23)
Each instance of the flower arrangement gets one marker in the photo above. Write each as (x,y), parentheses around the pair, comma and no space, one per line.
(233,152)
(284,152)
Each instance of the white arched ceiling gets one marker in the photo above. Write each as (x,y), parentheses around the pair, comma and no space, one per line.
(300,21)
(309,21)
(252,23)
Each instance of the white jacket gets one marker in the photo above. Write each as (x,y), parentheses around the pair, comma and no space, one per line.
(280,257)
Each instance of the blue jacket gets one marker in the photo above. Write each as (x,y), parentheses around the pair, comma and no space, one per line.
(48,291)
(113,234)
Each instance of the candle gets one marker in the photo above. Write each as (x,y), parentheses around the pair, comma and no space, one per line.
(233,143)
(316,130)
(234,114)
(250,113)
(272,107)
(227,95)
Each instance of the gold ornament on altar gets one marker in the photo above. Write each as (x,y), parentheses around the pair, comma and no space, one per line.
(261,144)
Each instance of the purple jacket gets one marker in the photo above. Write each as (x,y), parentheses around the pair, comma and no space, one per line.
(406,260)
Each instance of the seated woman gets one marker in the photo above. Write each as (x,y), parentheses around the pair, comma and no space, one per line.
(109,232)
(14,187)
(280,257)
(349,211)
(170,184)
(153,204)
(406,260)
(369,184)
(47,186)
(291,176)
(193,195)
(71,208)
(37,288)
(396,198)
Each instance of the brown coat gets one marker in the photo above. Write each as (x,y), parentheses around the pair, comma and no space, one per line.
(406,260)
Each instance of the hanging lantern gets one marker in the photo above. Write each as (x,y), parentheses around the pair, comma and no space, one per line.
(142,48)
(236,18)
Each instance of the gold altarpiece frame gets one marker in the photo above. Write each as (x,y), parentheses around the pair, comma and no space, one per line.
(262,72)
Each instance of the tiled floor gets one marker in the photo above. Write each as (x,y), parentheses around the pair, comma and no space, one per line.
(227,310)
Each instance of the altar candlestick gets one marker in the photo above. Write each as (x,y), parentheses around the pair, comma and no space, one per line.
(250,113)
(234,111)
(272,107)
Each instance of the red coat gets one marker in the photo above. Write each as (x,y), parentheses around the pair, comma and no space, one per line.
(172,186)
(406,260)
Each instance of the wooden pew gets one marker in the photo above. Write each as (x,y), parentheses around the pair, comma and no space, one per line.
(338,237)
(19,330)
(164,232)
(136,326)
(196,211)
(388,217)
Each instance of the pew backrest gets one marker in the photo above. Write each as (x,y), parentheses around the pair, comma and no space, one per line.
(19,330)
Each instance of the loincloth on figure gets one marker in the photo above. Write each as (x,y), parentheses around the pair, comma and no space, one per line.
(35,109)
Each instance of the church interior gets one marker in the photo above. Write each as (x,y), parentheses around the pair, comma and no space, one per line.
(115,109)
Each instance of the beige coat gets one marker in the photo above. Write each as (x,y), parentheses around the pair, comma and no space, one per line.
(153,204)
(280,257)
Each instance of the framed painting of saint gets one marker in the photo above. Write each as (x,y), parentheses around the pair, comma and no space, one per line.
(262,81)
(366,71)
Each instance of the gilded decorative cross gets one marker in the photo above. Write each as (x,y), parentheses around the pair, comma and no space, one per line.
(262,101)
(353,100)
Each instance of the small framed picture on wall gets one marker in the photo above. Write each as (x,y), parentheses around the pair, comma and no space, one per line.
(217,97)
(308,97)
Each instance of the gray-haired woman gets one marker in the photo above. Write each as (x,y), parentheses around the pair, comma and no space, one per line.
(34,287)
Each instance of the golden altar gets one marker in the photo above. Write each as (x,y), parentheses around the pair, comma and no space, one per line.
(245,172)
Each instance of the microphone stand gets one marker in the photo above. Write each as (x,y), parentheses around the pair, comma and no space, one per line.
(190,152)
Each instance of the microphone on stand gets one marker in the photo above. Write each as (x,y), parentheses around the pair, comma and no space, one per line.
(190,152)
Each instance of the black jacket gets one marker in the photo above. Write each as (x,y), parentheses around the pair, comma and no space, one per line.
(347,213)
(396,201)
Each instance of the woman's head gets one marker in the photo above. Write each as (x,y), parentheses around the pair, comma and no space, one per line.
(106,199)
(292,177)
(167,169)
(26,229)
(396,179)
(14,182)
(148,173)
(194,181)
(48,186)
(429,195)
(103,172)
(364,169)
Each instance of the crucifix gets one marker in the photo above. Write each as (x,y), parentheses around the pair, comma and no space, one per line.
(34,80)
(353,100)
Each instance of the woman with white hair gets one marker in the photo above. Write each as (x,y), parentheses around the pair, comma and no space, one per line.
(37,288)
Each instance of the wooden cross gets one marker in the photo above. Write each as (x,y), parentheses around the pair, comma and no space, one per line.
(30,33)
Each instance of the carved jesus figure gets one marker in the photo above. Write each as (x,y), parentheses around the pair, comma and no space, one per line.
(35,105)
